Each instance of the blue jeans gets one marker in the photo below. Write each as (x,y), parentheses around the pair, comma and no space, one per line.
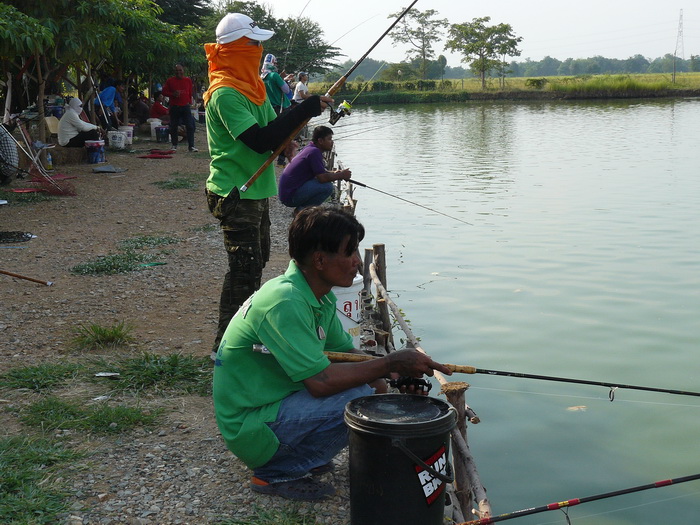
(311,431)
(311,193)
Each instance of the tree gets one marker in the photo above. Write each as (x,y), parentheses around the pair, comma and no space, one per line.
(183,13)
(485,47)
(420,31)
(298,43)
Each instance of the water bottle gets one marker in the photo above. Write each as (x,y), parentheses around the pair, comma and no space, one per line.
(49,161)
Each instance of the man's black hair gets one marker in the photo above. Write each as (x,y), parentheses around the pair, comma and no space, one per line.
(323,228)
(321,132)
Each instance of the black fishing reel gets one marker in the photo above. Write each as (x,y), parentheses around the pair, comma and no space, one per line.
(343,109)
(421,385)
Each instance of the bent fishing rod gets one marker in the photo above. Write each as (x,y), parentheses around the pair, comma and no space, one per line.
(362,184)
(333,89)
(577,501)
(465,369)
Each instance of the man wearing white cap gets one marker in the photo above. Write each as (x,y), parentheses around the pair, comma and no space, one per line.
(242,133)
(72,130)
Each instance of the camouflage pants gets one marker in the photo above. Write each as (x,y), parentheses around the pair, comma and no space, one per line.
(246,227)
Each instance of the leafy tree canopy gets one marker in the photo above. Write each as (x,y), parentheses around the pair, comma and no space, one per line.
(420,30)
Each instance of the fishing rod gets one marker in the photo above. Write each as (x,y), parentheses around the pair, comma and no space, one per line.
(293,34)
(345,106)
(465,369)
(333,89)
(577,501)
(362,184)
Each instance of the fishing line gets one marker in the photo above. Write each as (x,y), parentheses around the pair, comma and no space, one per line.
(293,35)
(367,83)
(589,398)
(363,185)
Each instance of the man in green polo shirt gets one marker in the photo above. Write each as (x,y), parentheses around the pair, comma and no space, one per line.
(242,132)
(279,401)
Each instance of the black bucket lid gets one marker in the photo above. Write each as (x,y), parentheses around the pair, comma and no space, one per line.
(400,415)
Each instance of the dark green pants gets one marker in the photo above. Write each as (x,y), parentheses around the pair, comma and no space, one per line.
(246,227)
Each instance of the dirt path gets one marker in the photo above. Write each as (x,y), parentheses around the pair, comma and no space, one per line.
(180,472)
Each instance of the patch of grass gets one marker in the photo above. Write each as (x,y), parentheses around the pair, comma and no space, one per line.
(179,181)
(25,198)
(96,336)
(146,241)
(206,228)
(29,493)
(128,261)
(39,378)
(289,515)
(51,413)
(174,372)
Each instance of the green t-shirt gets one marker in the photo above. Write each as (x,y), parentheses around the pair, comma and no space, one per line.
(249,385)
(273,85)
(229,114)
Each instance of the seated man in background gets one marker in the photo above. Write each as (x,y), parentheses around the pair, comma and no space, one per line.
(74,131)
(306,181)
(158,110)
(279,401)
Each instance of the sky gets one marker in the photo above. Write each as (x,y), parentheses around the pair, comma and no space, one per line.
(561,30)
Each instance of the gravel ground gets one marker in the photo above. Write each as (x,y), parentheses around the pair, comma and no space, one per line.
(180,473)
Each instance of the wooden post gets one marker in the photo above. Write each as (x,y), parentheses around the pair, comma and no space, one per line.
(454,391)
(380,266)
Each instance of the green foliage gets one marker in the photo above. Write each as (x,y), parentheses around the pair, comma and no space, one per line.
(29,493)
(289,515)
(171,372)
(21,34)
(146,241)
(485,47)
(536,83)
(52,413)
(180,181)
(39,378)
(125,262)
(26,198)
(610,85)
(95,336)
(420,30)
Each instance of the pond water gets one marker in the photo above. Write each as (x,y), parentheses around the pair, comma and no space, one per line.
(581,260)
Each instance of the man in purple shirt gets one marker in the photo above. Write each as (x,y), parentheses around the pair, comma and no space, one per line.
(306,181)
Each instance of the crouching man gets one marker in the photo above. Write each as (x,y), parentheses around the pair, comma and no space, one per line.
(279,401)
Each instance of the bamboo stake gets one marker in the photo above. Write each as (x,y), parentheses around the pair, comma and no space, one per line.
(46,283)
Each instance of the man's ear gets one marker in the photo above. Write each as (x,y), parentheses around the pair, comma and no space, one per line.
(318,259)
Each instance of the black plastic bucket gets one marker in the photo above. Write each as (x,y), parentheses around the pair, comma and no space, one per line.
(399,451)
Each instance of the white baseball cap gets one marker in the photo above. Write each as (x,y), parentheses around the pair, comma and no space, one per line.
(236,25)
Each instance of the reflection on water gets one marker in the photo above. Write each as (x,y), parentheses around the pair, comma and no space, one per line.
(583,261)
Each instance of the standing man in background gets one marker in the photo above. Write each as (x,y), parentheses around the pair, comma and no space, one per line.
(242,132)
(180,90)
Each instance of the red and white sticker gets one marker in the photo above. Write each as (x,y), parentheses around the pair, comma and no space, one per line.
(432,486)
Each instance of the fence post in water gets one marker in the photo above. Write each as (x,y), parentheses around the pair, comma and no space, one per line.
(380,267)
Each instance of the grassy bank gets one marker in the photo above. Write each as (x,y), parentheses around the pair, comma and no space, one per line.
(461,90)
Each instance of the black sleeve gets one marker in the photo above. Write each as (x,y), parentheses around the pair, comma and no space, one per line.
(271,136)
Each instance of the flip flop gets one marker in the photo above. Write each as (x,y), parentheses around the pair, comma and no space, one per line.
(303,489)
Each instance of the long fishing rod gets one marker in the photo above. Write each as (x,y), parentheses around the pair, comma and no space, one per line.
(465,369)
(577,501)
(333,89)
(292,35)
(353,181)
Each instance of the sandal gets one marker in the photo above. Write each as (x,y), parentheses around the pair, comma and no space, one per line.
(322,469)
(304,489)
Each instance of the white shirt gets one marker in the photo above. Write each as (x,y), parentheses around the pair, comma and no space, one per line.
(70,125)
(300,88)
